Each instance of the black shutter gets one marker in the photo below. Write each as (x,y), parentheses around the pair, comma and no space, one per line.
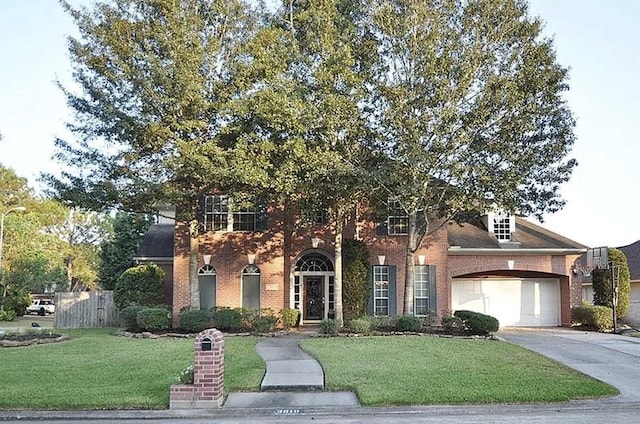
(261,215)
(393,298)
(371,294)
(200,213)
(432,288)
(382,229)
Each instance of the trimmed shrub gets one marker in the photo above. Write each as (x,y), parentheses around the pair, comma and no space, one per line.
(355,279)
(409,323)
(289,317)
(264,324)
(477,323)
(7,315)
(597,317)
(329,326)
(141,285)
(360,326)
(186,376)
(194,320)
(382,323)
(129,317)
(452,325)
(226,319)
(153,319)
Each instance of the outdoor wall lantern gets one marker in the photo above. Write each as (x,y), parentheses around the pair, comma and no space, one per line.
(314,242)
(251,258)
(381,259)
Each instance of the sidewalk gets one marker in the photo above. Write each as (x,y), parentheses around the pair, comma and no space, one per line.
(293,380)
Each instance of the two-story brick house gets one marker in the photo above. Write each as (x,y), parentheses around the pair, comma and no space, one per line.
(501,265)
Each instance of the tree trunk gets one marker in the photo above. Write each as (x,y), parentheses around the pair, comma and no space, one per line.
(337,282)
(412,246)
(193,264)
(69,270)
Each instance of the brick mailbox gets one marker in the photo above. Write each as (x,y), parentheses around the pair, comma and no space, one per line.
(206,392)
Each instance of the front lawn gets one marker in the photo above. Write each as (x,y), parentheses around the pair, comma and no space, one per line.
(417,370)
(96,370)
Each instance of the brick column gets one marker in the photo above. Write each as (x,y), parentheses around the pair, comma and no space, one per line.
(207,389)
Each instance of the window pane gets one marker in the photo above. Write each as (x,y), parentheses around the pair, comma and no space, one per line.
(381,290)
(398,221)
(421,290)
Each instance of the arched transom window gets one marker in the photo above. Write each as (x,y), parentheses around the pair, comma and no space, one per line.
(314,262)
(207,270)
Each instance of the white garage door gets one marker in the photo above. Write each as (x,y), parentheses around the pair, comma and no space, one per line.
(525,302)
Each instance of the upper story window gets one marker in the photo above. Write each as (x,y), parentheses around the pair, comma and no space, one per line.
(398,221)
(502,225)
(220,215)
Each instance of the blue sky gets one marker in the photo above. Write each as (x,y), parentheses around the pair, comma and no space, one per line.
(597,39)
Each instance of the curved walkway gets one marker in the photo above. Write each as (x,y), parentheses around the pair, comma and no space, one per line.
(293,380)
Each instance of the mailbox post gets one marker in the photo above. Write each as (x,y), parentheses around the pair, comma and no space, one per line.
(207,389)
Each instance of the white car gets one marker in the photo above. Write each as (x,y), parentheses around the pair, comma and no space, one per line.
(41,307)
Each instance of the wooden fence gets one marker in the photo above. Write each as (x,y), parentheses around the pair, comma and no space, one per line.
(86,310)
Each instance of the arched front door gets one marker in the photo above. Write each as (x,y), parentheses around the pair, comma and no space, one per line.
(313,283)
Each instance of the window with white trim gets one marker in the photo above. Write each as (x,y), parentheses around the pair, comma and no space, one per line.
(502,225)
(398,220)
(380,290)
(220,215)
(421,290)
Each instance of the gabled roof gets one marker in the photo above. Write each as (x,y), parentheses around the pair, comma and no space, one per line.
(157,243)
(475,235)
(632,252)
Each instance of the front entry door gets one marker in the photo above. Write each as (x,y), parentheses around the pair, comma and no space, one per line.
(313,298)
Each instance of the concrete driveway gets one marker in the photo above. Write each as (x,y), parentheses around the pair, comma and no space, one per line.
(611,358)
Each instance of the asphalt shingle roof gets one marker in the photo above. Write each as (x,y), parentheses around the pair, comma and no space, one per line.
(158,242)
(632,252)
(529,236)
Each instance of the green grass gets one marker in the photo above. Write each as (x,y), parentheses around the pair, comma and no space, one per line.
(430,370)
(95,370)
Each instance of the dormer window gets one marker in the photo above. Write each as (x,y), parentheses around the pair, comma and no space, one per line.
(502,225)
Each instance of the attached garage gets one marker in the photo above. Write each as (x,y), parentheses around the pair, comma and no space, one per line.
(524,302)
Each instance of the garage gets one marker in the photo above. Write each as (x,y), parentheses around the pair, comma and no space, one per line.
(524,302)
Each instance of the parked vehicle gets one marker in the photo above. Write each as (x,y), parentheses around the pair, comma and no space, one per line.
(41,307)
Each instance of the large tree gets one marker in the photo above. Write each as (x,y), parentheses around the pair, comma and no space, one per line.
(300,116)
(118,250)
(472,114)
(151,111)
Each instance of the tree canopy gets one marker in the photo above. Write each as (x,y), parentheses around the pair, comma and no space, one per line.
(442,106)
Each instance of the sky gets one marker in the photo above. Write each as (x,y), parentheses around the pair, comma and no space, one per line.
(599,41)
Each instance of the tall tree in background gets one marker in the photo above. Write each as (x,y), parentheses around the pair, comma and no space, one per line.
(81,233)
(118,251)
(603,287)
(151,113)
(471,113)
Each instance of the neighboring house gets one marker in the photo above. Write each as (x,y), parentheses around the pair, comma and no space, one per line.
(157,247)
(500,265)
(632,252)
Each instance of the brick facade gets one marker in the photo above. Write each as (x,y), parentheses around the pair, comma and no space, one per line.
(276,254)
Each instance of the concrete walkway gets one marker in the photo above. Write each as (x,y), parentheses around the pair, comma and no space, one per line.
(293,380)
